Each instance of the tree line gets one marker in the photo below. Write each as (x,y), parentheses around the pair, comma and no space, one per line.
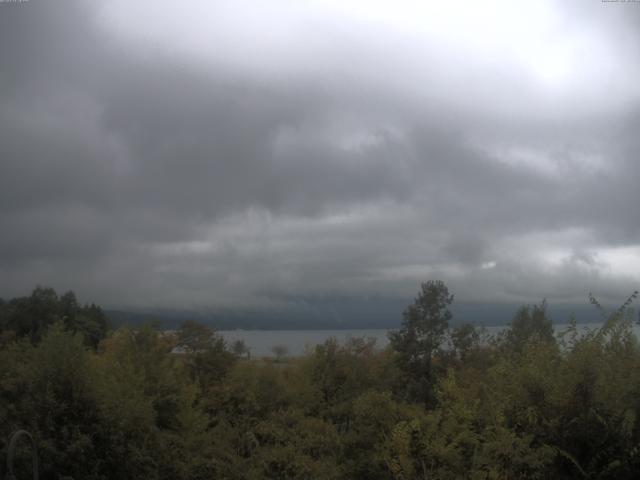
(438,402)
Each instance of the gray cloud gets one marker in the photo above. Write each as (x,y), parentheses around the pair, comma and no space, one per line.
(315,152)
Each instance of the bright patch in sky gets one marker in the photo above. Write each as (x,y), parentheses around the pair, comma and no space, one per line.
(529,36)
(623,260)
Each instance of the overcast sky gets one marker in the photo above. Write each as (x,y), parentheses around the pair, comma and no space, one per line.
(247,153)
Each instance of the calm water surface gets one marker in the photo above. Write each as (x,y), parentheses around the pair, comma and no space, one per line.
(298,342)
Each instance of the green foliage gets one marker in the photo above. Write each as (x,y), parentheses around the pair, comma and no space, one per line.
(459,440)
(147,404)
(530,325)
(464,339)
(193,337)
(342,372)
(420,337)
(204,353)
(30,317)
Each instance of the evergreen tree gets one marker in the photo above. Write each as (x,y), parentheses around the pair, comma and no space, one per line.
(423,329)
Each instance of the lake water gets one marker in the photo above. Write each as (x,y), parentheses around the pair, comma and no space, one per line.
(298,341)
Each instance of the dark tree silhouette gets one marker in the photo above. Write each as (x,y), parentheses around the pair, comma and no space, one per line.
(423,329)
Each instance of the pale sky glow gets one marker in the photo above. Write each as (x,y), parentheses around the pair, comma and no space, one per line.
(623,261)
(246,154)
(533,38)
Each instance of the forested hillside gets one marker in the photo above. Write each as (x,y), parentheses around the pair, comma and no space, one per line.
(122,404)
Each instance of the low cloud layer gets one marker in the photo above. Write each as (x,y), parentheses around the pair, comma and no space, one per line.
(227,155)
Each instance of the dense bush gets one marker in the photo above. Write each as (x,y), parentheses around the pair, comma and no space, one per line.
(145,404)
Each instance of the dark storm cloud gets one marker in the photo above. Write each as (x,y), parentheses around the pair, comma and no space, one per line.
(141,174)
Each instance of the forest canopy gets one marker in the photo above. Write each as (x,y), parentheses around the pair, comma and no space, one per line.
(439,402)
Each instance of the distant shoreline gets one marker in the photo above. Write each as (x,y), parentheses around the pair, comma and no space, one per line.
(297,341)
